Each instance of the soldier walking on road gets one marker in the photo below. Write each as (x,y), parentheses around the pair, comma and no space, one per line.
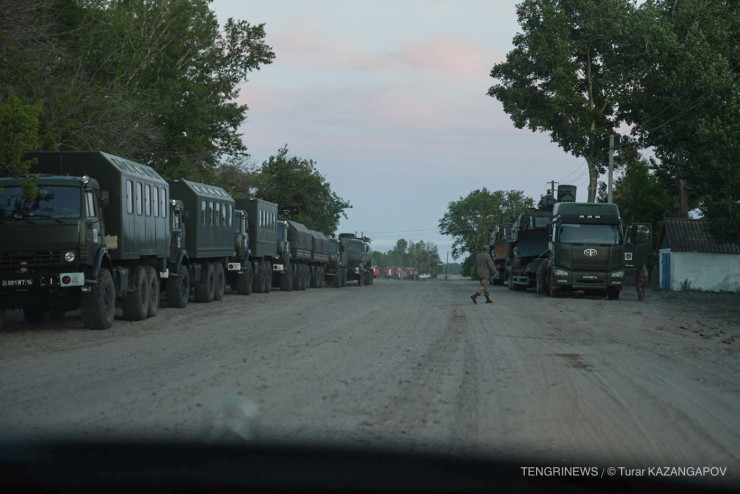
(483,268)
(362,273)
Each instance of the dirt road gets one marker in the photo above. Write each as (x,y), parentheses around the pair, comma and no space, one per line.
(414,364)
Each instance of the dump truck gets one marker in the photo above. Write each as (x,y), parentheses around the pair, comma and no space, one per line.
(357,250)
(83,230)
(335,273)
(207,249)
(262,223)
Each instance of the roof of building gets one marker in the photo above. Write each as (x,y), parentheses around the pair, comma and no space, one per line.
(686,235)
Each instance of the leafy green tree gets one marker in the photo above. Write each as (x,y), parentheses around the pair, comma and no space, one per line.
(557,79)
(469,220)
(301,192)
(683,100)
(18,134)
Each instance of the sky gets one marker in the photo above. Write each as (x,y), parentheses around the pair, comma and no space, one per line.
(388,98)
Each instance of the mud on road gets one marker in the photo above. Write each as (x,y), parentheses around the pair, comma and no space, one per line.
(408,364)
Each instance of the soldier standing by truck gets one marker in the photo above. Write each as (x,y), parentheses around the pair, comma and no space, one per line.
(483,268)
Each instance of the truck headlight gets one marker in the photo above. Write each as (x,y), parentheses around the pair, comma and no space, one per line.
(618,274)
(559,272)
(69,256)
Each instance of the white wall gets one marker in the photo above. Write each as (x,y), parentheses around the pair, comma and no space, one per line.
(710,272)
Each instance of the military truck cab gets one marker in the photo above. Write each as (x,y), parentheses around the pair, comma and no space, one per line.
(85,230)
(336,268)
(586,249)
(357,250)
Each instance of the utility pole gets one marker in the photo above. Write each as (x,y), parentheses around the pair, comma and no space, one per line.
(611,165)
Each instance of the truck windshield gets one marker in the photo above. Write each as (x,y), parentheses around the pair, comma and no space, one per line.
(541,221)
(332,247)
(354,247)
(52,201)
(571,233)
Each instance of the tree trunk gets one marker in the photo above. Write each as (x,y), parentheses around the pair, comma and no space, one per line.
(593,179)
(683,202)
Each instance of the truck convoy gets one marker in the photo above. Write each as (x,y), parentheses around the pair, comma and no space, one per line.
(90,230)
(565,245)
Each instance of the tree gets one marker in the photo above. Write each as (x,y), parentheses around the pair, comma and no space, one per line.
(683,100)
(470,220)
(18,134)
(557,78)
(150,80)
(301,192)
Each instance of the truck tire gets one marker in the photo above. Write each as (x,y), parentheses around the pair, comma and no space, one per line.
(219,285)
(258,284)
(296,268)
(306,277)
(554,290)
(336,280)
(286,278)
(2,319)
(34,314)
(243,285)
(205,289)
(612,293)
(267,267)
(153,281)
(178,288)
(136,304)
(322,277)
(344,276)
(98,306)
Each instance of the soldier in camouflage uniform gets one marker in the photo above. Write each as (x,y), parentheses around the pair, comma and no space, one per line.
(483,268)
(362,273)
(642,281)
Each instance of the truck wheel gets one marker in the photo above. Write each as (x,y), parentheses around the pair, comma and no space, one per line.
(259,278)
(220,281)
(2,319)
(244,281)
(33,314)
(344,277)
(286,278)
(178,288)
(612,293)
(322,277)
(336,280)
(296,269)
(153,281)
(267,267)
(205,289)
(98,306)
(306,279)
(136,304)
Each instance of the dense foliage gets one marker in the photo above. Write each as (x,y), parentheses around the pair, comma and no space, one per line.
(667,70)
(154,81)
(470,219)
(421,255)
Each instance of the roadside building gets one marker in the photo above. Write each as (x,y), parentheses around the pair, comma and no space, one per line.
(688,258)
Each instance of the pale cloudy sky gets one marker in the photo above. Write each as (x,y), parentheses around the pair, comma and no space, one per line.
(388,97)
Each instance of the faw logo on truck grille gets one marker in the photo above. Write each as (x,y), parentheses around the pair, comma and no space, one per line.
(590,252)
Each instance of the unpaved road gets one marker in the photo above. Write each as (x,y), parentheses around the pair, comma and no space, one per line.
(413,364)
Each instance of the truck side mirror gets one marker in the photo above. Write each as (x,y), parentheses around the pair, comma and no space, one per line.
(104,199)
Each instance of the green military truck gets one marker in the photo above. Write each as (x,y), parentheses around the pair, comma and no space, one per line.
(92,230)
(302,255)
(207,249)
(262,226)
(239,272)
(357,250)
(585,250)
(335,273)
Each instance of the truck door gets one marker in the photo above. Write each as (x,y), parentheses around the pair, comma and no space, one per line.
(638,245)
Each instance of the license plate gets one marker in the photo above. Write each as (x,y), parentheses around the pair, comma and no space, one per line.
(12,283)
(590,277)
